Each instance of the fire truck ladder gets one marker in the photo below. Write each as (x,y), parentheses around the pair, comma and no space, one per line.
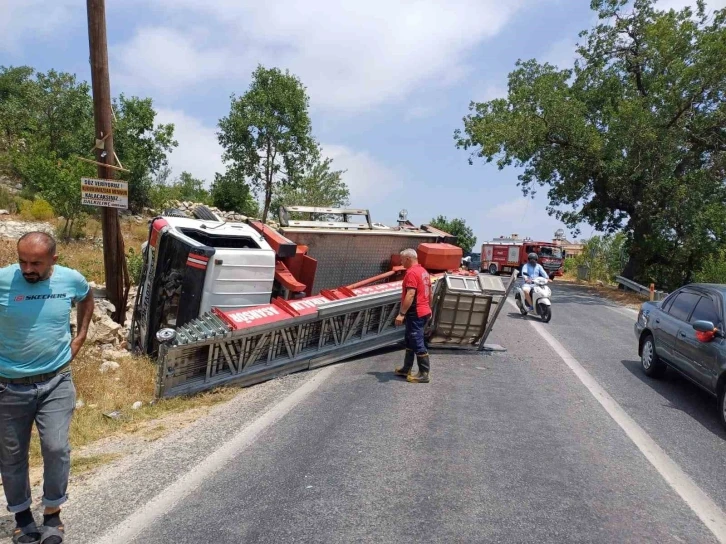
(213,349)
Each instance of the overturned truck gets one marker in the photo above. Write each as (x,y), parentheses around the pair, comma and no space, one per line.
(223,302)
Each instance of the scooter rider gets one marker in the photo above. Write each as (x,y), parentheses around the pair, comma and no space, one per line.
(531,270)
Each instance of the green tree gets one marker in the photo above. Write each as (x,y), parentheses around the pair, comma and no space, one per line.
(18,92)
(465,238)
(629,139)
(231,194)
(604,256)
(187,187)
(59,182)
(41,114)
(320,186)
(65,114)
(141,145)
(267,136)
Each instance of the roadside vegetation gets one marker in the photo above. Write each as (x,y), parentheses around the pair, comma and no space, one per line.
(628,140)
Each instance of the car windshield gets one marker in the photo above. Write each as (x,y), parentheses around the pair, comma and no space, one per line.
(554,252)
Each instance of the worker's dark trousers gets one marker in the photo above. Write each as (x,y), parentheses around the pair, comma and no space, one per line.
(415,341)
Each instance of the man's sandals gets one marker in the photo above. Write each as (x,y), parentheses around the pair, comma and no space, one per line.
(30,534)
(53,535)
(46,535)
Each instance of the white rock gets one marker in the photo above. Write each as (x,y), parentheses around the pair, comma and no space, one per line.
(108,366)
(103,331)
(80,403)
(4,212)
(16,229)
(115,354)
(136,405)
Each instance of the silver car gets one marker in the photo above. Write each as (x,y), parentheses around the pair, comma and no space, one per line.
(686,332)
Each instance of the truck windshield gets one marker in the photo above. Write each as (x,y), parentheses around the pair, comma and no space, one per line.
(552,252)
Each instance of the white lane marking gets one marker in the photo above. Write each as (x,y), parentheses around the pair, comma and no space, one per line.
(163,503)
(628,312)
(701,504)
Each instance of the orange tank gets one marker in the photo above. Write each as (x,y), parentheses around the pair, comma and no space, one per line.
(439,257)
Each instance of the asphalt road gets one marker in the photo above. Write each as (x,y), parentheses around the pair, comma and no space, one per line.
(509,447)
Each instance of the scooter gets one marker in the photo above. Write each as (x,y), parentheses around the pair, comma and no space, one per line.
(540,299)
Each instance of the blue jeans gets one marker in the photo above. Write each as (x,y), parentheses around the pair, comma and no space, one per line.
(415,333)
(50,405)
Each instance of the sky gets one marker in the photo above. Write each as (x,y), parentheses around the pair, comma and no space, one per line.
(389,82)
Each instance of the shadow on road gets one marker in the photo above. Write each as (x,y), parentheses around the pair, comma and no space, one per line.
(385,377)
(680,394)
(380,351)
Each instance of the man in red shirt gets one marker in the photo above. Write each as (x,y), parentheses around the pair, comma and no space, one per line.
(415,312)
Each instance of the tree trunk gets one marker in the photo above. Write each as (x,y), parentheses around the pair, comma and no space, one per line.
(268,199)
(635,267)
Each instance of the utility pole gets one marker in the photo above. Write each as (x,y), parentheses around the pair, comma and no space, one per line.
(113,250)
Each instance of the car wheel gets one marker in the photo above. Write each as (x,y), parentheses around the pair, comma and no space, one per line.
(493,269)
(722,405)
(649,360)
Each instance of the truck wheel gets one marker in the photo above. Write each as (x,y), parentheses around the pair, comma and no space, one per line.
(173,212)
(649,360)
(204,213)
(493,269)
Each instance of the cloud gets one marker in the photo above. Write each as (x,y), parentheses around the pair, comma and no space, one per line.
(562,53)
(369,181)
(199,152)
(165,59)
(351,56)
(484,92)
(418,112)
(37,18)
(512,210)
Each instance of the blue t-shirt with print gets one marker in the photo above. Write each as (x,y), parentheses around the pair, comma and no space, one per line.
(35,332)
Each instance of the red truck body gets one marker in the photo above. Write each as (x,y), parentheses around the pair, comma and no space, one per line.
(504,254)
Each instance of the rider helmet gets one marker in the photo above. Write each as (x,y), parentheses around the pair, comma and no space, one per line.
(532,257)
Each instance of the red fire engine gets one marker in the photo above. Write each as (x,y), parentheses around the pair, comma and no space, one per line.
(502,255)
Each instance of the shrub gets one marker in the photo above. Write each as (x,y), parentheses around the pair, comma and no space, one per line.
(72,229)
(713,269)
(36,210)
(135,264)
(7,201)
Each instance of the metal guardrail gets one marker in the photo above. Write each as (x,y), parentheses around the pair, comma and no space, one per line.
(641,289)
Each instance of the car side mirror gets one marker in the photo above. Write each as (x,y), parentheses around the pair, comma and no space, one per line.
(706,331)
(703,326)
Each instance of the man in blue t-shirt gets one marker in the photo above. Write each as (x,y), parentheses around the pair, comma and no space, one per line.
(531,270)
(36,350)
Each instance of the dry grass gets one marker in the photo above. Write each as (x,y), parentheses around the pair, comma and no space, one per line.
(86,256)
(79,464)
(117,391)
(611,292)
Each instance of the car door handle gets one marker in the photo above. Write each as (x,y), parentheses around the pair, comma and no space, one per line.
(682,334)
(657,320)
